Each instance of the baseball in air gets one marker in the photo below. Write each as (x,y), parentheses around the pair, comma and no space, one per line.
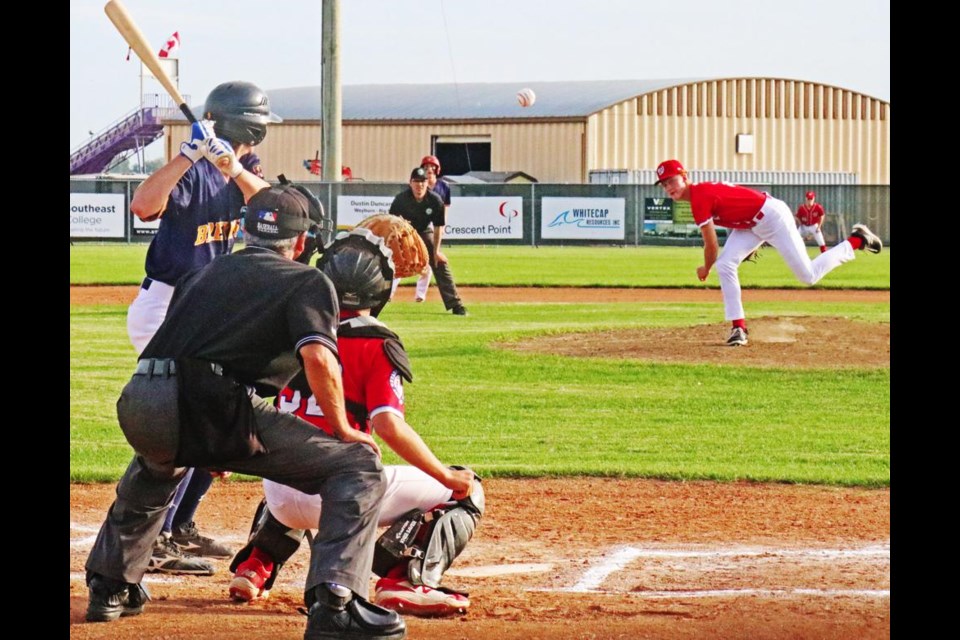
(526,97)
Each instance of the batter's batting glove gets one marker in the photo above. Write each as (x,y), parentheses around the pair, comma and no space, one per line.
(221,154)
(192,149)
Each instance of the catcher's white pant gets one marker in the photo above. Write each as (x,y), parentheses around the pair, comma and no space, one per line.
(407,488)
(146,313)
(777,228)
(811,230)
(423,283)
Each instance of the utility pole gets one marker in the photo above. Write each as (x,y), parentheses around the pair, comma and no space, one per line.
(332,154)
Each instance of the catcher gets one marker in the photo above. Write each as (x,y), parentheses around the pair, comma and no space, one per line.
(432,509)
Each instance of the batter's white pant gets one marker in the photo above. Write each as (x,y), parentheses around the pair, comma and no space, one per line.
(407,488)
(423,283)
(146,313)
(812,231)
(777,228)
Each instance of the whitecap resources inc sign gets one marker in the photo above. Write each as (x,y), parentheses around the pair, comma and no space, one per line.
(485,218)
(582,218)
(353,209)
(96,215)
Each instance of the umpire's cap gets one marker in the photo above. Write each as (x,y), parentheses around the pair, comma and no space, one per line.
(277,213)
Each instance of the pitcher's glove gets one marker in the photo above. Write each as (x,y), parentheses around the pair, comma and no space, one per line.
(754,256)
(410,255)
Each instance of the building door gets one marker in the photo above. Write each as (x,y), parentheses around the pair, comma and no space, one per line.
(461,154)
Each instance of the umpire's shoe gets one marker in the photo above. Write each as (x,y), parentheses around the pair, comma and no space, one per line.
(336,612)
(111,599)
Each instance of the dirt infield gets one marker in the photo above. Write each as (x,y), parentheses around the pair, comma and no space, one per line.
(125,295)
(559,559)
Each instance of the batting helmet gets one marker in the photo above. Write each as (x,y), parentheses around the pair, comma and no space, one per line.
(240,111)
(431,160)
(360,266)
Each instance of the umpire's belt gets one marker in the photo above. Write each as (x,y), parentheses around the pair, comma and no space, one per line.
(166,367)
(149,281)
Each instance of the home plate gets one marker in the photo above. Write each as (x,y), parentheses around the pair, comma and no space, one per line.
(497,570)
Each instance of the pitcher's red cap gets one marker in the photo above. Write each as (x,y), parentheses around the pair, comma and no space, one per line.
(668,169)
(811,194)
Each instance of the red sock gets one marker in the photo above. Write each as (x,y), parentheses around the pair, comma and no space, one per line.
(742,323)
(263,557)
(399,572)
(855,241)
(823,248)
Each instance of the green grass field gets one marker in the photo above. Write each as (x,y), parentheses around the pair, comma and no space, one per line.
(511,414)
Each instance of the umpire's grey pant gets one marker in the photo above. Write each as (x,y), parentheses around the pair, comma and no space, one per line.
(441,271)
(349,478)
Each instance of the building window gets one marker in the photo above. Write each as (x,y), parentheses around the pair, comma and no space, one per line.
(461,154)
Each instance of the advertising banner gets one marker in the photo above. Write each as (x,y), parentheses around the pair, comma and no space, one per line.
(96,215)
(485,218)
(582,218)
(353,209)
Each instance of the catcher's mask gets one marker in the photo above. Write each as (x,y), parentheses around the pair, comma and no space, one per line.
(361,268)
(321,227)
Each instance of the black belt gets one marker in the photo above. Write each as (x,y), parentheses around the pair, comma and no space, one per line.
(146,283)
(156,367)
(166,367)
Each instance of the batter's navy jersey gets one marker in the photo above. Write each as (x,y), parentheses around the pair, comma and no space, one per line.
(442,190)
(200,223)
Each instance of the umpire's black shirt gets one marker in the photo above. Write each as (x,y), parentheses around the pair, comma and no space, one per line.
(250,311)
(420,214)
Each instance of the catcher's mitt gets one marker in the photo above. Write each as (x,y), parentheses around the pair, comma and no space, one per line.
(410,255)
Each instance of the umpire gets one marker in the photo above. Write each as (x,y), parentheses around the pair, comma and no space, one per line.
(238,329)
(426,212)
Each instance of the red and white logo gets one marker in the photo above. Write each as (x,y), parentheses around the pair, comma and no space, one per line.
(171,47)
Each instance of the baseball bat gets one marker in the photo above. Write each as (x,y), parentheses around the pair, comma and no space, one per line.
(124,23)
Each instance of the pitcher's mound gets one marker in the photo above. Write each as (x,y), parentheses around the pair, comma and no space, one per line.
(788,341)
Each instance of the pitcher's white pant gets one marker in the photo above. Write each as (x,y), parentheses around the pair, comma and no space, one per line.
(407,488)
(777,228)
(423,283)
(393,287)
(147,312)
(811,230)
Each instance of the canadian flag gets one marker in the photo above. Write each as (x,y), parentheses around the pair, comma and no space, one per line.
(172,45)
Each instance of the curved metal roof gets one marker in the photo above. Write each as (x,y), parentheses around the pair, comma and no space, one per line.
(567,99)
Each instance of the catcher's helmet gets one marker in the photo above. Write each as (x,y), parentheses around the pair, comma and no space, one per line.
(360,266)
(431,160)
(240,111)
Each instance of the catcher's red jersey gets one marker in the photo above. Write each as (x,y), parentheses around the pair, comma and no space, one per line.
(728,205)
(369,379)
(810,215)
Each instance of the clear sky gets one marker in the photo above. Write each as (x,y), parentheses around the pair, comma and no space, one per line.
(276,44)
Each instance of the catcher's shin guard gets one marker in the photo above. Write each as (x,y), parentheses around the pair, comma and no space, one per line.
(430,540)
(272,537)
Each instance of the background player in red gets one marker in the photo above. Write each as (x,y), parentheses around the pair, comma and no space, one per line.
(810,220)
(199,211)
(752,218)
(446,503)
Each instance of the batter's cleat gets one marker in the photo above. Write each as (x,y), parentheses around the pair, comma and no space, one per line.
(168,558)
(871,242)
(404,597)
(418,299)
(738,337)
(350,617)
(248,581)
(459,310)
(111,599)
(190,541)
